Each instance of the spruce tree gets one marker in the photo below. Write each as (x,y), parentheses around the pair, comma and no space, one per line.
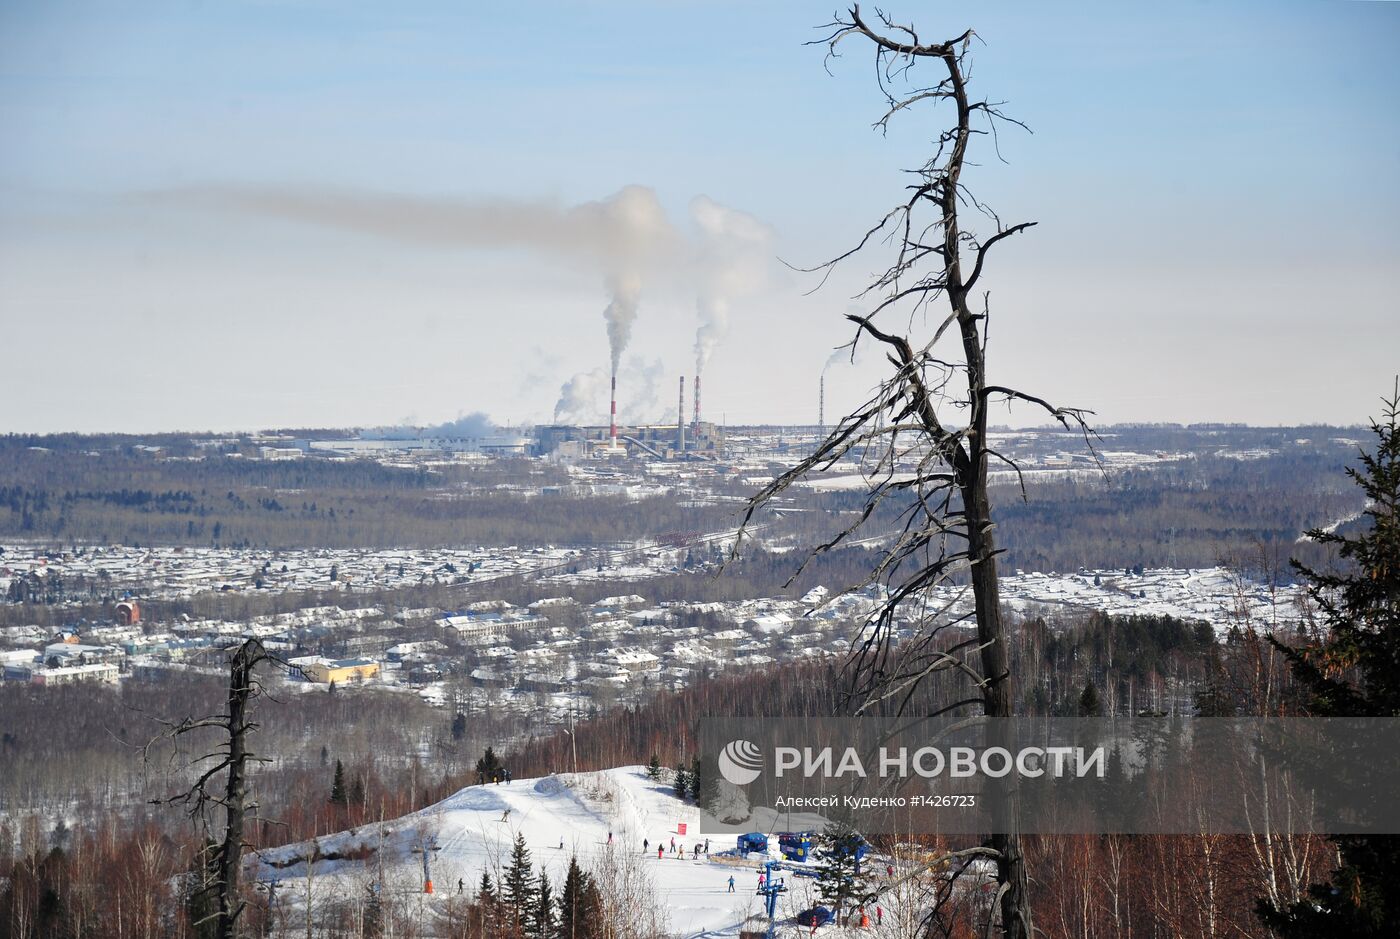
(518,882)
(1089,705)
(1353,670)
(357,791)
(488,903)
(338,792)
(693,783)
(704,781)
(580,908)
(486,893)
(840,878)
(542,923)
(654,767)
(487,766)
(681,784)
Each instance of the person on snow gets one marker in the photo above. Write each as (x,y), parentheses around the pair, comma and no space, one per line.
(707,846)
(561,842)
(505,816)
(461,885)
(762,879)
(660,852)
(609,837)
(879,915)
(889,869)
(695,854)
(673,844)
(731,883)
(646,845)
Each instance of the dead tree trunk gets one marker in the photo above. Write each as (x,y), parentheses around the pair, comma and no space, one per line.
(933,472)
(230,757)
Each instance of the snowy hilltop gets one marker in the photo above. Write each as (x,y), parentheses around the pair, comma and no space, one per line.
(635,836)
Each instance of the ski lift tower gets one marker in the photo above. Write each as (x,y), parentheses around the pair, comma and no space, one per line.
(427,847)
(772,886)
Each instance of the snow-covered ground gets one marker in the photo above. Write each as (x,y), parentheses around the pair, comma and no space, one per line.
(560,817)
(1216,595)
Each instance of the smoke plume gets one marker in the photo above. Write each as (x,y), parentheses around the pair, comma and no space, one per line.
(476,424)
(584,397)
(579,397)
(626,238)
(732,259)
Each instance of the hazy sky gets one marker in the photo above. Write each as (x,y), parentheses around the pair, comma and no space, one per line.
(238,215)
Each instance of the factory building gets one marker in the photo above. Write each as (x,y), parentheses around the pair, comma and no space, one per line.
(646,441)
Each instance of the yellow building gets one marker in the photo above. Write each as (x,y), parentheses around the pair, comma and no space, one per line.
(341,670)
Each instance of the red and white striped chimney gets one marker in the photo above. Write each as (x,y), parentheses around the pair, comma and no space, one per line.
(612,426)
(680,419)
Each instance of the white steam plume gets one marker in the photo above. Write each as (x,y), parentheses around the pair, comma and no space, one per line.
(579,397)
(643,384)
(626,236)
(732,260)
(584,397)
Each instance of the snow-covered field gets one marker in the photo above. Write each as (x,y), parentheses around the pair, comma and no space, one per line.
(560,817)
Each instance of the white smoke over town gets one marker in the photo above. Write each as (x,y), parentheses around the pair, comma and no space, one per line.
(585,395)
(642,401)
(626,238)
(475,424)
(733,253)
(579,398)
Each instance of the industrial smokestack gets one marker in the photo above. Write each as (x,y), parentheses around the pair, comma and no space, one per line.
(821,405)
(695,430)
(680,419)
(612,425)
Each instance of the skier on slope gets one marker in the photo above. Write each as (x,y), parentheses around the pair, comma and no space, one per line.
(731,883)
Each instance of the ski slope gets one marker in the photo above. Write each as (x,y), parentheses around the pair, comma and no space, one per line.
(475,830)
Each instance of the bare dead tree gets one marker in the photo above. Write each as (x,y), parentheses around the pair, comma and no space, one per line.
(204,798)
(922,436)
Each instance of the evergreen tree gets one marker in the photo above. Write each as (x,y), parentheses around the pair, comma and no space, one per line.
(693,783)
(1089,705)
(357,791)
(841,880)
(518,882)
(373,924)
(486,892)
(542,922)
(338,791)
(681,784)
(1354,671)
(703,782)
(459,726)
(487,766)
(654,767)
(580,906)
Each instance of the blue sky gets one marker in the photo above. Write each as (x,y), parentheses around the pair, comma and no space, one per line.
(1216,187)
